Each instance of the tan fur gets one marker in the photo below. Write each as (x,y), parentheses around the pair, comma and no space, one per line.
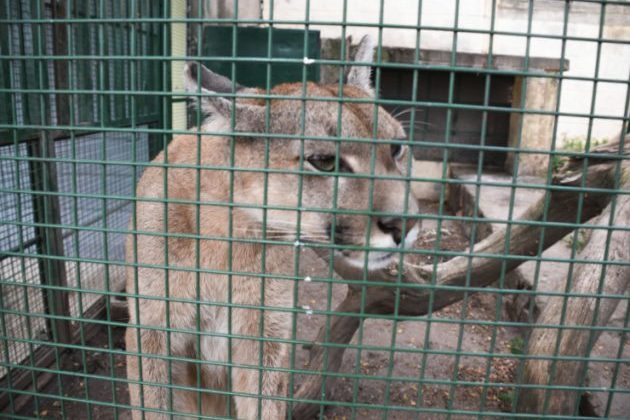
(220,304)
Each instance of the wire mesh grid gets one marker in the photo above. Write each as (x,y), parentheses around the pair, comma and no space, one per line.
(294,251)
(107,222)
(23,319)
(21,298)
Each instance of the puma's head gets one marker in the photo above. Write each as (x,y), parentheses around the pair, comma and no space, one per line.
(316,162)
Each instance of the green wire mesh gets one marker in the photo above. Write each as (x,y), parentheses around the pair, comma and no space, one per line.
(90,95)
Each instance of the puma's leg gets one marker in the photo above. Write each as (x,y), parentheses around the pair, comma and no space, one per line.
(153,370)
(248,380)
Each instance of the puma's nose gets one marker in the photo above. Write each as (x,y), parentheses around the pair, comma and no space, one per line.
(394,226)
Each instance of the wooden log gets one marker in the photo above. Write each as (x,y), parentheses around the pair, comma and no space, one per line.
(595,278)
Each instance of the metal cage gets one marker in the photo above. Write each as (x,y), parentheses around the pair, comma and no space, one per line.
(515,114)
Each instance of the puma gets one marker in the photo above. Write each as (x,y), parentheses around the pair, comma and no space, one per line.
(201,229)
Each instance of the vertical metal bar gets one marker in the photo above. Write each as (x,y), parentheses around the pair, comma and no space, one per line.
(406,175)
(412,129)
(198,120)
(133,74)
(263,257)
(370,208)
(60,47)
(232,160)
(613,383)
(4,343)
(574,251)
(47,213)
(549,179)
(515,169)
(166,108)
(105,120)
(298,243)
(624,330)
(68,12)
(447,139)
(343,54)
(592,335)
(473,235)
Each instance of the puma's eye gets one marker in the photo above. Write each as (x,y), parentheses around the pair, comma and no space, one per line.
(326,163)
(397,151)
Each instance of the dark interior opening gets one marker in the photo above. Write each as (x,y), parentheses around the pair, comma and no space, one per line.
(465,124)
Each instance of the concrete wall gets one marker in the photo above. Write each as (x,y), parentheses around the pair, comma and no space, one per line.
(532,131)
(247,9)
(178,48)
(510,15)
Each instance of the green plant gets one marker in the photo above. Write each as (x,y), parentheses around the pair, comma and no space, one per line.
(578,144)
(517,345)
(506,397)
(578,239)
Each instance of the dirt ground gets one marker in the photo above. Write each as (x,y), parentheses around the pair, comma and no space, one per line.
(424,351)
(407,365)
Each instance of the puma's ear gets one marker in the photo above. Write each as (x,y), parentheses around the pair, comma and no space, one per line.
(360,75)
(198,79)
(209,80)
